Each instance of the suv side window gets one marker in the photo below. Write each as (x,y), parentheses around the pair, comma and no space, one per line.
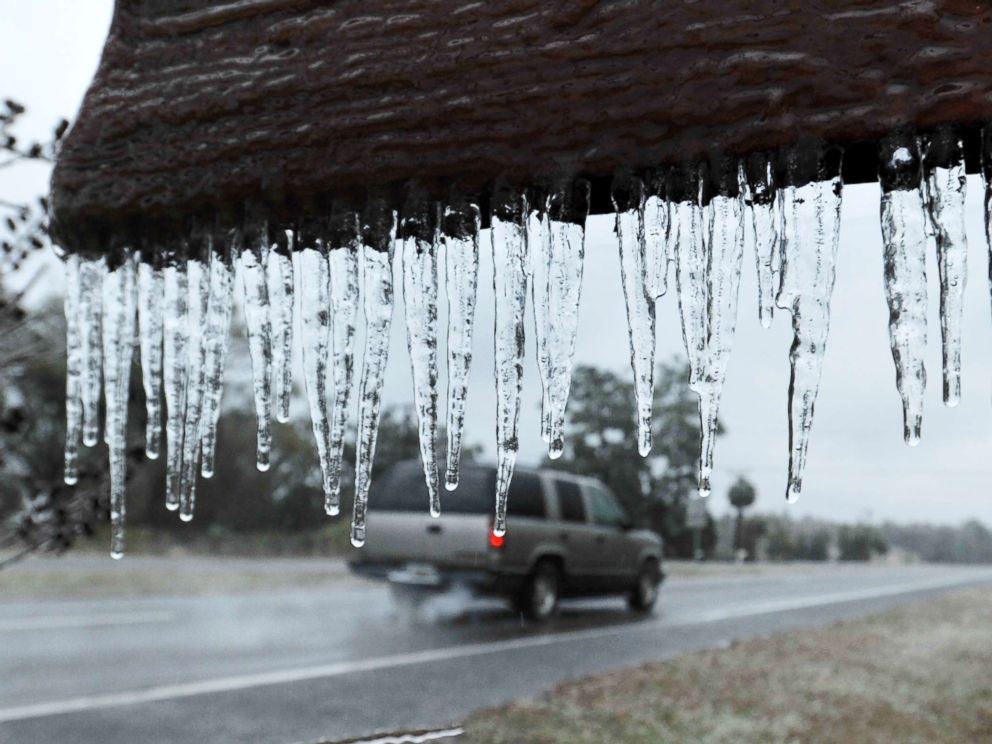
(526,498)
(570,501)
(606,512)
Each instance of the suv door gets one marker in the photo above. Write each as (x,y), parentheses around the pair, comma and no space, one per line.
(617,554)
(576,535)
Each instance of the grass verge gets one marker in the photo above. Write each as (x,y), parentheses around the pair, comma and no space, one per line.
(917,674)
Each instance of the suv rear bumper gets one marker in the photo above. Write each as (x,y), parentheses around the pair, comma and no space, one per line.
(481,581)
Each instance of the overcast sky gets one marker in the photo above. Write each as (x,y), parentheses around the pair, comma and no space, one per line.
(858,466)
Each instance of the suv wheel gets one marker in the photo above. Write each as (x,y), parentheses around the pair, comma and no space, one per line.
(645,593)
(541,591)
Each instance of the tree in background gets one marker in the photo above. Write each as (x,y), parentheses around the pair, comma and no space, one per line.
(741,496)
(600,434)
(860,542)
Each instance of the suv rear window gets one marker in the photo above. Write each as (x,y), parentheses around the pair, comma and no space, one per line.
(525,499)
(402,488)
(570,501)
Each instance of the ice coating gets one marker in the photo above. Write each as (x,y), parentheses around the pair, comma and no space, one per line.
(509,244)
(120,301)
(174,357)
(946,185)
(766,220)
(539,275)
(377,300)
(315,330)
(811,223)
(91,274)
(418,246)
(656,231)
(628,198)
(460,237)
(707,274)
(216,331)
(198,279)
(74,370)
(343,261)
(904,243)
(150,298)
(568,207)
(279,276)
(254,258)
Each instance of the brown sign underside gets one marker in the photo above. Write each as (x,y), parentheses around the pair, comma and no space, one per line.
(203,107)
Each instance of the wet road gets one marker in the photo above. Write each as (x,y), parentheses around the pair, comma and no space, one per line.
(307,664)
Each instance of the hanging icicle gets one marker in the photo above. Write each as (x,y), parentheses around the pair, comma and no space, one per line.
(91,275)
(904,239)
(216,332)
(946,185)
(707,273)
(279,277)
(460,236)
(987,178)
(74,370)
(254,258)
(120,302)
(378,234)
(174,355)
(418,236)
(628,199)
(568,207)
(150,298)
(344,238)
(509,243)
(657,214)
(766,218)
(811,201)
(538,273)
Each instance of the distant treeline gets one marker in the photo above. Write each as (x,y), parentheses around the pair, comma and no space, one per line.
(971,542)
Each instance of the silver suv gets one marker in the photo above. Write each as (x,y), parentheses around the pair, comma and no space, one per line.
(566,536)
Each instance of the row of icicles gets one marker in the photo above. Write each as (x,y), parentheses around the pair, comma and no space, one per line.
(693,216)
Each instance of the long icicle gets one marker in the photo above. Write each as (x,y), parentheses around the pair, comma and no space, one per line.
(218,326)
(120,302)
(74,371)
(946,185)
(987,178)
(315,312)
(460,235)
(254,258)
(418,238)
(811,201)
(904,242)
(628,199)
(198,278)
(509,244)
(539,275)
(150,298)
(279,276)
(343,241)
(568,207)
(762,198)
(174,350)
(657,216)
(91,274)
(377,299)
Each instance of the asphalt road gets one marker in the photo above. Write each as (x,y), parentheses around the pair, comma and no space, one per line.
(323,663)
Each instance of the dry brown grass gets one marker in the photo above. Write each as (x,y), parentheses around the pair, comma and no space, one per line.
(917,674)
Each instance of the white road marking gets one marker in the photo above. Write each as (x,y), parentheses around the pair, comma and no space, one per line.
(93,620)
(343,668)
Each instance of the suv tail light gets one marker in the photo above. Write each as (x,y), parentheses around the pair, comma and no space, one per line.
(495,541)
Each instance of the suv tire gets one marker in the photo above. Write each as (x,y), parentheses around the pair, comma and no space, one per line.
(541,591)
(645,592)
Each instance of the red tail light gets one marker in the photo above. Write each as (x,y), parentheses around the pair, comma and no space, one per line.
(496,541)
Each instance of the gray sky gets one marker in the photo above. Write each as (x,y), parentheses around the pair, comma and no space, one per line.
(858,466)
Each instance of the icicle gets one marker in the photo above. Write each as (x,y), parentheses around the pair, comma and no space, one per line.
(74,371)
(279,276)
(174,348)
(628,199)
(254,258)
(216,331)
(418,233)
(538,272)
(377,297)
(656,219)
(150,293)
(567,210)
(120,302)
(91,274)
(766,219)
(198,279)
(707,272)
(460,234)
(343,258)
(315,311)
(945,192)
(509,242)
(811,202)
(904,238)
(987,178)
